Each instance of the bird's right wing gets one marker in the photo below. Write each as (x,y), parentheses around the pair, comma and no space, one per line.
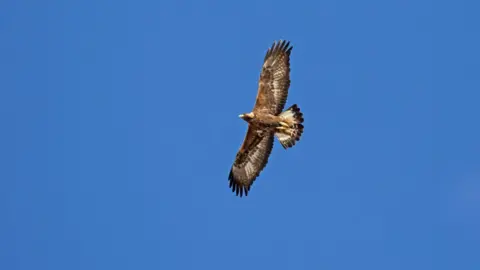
(274,79)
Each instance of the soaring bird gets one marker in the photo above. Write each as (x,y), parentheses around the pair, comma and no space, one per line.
(267,120)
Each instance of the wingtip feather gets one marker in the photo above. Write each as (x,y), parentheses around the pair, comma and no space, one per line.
(279,46)
(237,187)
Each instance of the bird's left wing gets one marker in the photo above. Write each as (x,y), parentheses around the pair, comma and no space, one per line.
(251,159)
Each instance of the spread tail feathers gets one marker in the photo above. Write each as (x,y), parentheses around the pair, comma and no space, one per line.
(289,133)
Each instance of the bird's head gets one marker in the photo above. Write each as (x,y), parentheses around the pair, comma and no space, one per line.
(247,116)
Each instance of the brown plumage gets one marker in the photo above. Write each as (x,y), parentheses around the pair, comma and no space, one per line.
(267,120)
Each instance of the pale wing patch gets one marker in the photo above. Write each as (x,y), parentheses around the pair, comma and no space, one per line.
(255,160)
(280,89)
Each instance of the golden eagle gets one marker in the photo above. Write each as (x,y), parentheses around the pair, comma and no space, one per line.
(267,120)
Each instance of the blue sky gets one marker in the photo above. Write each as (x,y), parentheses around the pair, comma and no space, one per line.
(120,124)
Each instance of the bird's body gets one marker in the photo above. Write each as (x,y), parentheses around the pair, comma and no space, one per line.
(267,120)
(264,121)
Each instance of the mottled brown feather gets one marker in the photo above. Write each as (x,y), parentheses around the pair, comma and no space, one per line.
(253,153)
(274,79)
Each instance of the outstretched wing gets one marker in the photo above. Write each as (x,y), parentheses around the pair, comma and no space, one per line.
(274,79)
(250,160)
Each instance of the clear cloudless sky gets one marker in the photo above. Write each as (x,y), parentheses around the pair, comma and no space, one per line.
(119,125)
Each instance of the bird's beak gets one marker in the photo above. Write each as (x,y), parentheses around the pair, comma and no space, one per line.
(241,115)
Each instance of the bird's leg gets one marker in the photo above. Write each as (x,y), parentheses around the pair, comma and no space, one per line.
(284,124)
